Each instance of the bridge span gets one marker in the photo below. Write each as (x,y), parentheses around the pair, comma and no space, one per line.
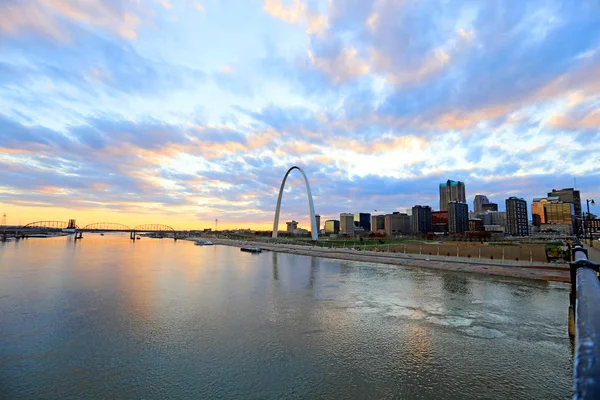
(41,227)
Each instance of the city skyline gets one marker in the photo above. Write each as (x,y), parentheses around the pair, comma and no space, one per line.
(185,112)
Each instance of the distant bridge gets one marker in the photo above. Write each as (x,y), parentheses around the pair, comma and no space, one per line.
(57,226)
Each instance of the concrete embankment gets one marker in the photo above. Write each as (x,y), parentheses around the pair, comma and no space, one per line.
(516,269)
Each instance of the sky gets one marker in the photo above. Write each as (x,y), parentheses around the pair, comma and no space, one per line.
(186,112)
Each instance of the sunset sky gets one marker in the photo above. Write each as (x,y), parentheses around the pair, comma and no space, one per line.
(183,112)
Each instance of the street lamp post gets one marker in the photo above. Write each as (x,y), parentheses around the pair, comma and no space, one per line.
(589,225)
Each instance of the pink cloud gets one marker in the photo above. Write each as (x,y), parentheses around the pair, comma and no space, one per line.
(44,17)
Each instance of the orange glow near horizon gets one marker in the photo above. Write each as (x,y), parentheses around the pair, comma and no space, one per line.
(21,215)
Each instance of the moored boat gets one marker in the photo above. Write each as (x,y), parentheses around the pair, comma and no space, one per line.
(251,249)
(203,243)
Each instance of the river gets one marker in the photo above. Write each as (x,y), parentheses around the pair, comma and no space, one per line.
(105,317)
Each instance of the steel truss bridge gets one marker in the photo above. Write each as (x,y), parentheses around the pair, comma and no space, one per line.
(160,230)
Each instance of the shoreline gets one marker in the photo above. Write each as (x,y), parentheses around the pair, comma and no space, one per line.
(549,272)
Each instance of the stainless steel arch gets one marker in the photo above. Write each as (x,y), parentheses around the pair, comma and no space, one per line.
(311,208)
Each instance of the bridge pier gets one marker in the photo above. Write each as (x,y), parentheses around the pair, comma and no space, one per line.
(132,235)
(78,235)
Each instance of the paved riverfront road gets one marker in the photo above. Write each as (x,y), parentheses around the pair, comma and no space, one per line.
(155,319)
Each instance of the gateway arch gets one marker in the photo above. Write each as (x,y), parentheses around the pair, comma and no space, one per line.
(311,207)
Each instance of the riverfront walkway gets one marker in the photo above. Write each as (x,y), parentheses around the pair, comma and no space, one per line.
(516,269)
(593,252)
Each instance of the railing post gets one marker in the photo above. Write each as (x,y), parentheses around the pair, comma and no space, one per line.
(584,323)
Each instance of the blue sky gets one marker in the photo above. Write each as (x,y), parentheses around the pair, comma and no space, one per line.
(190,111)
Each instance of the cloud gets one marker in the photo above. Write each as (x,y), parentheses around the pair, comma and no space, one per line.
(46,16)
(292,13)
(297,12)
(346,65)
(198,6)
(379,101)
(582,119)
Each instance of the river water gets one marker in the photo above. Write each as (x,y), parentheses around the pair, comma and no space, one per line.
(157,319)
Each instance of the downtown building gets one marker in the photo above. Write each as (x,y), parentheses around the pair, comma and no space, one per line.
(517,223)
(489,207)
(550,214)
(291,226)
(397,224)
(570,195)
(439,221)
(451,191)
(377,223)
(332,226)
(421,219)
(478,203)
(559,213)
(363,220)
(458,217)
(476,225)
(347,224)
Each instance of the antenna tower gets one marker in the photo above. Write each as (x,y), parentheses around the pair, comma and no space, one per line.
(3,219)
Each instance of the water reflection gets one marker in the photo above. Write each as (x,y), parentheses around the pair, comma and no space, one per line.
(275,267)
(314,264)
(456,284)
(104,318)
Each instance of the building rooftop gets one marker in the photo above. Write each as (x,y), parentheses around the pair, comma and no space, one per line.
(451,183)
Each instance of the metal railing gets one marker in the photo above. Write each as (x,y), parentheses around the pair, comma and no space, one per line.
(584,324)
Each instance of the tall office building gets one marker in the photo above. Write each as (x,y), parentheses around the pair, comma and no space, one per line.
(451,191)
(570,195)
(377,223)
(421,219)
(347,224)
(478,202)
(318,222)
(517,223)
(397,224)
(551,210)
(363,220)
(458,217)
(538,215)
(559,212)
(332,226)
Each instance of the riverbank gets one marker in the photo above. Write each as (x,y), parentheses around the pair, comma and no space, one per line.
(515,269)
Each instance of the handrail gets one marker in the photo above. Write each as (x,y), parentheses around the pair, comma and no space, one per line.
(585,306)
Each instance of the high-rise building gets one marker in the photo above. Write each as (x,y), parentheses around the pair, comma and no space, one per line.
(517,223)
(332,226)
(559,212)
(458,217)
(421,219)
(397,224)
(570,195)
(538,215)
(377,223)
(551,210)
(451,191)
(347,224)
(478,202)
(363,220)
(318,222)
(489,207)
(291,226)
